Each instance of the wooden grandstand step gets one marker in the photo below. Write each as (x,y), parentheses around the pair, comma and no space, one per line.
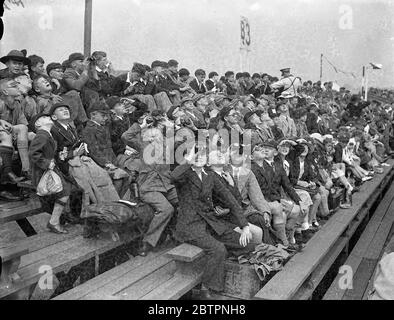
(60,257)
(285,284)
(356,256)
(371,258)
(101,280)
(10,258)
(133,279)
(19,211)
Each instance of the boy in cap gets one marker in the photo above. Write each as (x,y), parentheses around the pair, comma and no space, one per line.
(45,97)
(119,124)
(42,153)
(55,73)
(78,77)
(272,178)
(198,224)
(193,114)
(97,136)
(213,79)
(13,123)
(197,84)
(15,61)
(285,122)
(36,67)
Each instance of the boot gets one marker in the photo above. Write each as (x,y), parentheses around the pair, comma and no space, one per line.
(280,233)
(7,174)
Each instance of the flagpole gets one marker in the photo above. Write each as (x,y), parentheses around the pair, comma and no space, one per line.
(321,67)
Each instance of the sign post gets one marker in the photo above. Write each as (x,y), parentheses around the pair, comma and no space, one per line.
(245,42)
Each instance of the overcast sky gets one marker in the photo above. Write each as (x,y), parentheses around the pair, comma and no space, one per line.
(206,34)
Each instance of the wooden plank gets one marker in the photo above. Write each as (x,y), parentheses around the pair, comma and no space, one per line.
(61,261)
(19,212)
(10,253)
(175,288)
(46,239)
(92,285)
(185,252)
(10,205)
(286,283)
(361,279)
(307,289)
(355,257)
(380,238)
(148,283)
(131,277)
(50,250)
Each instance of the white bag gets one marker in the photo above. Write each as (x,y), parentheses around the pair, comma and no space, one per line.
(50,183)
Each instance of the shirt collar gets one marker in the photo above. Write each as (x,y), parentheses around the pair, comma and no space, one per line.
(202,170)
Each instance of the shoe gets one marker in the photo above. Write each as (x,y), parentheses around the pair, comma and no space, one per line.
(56,229)
(144,249)
(345,205)
(14,178)
(366,178)
(5,195)
(315,224)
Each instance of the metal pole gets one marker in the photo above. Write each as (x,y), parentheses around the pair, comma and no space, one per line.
(87,37)
(363,82)
(321,67)
(366,85)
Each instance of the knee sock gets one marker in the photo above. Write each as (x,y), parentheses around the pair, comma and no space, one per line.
(24,154)
(281,233)
(57,212)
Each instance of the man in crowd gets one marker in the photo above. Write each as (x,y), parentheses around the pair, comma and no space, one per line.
(15,61)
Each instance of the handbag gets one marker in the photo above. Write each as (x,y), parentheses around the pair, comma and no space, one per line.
(220,212)
(50,183)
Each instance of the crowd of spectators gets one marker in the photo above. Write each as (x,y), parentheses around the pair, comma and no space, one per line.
(226,162)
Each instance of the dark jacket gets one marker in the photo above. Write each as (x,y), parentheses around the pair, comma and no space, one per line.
(196,87)
(117,128)
(64,139)
(42,150)
(309,175)
(99,143)
(196,212)
(120,84)
(209,84)
(271,182)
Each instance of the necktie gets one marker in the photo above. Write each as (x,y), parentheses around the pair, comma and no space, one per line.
(236,172)
(227,177)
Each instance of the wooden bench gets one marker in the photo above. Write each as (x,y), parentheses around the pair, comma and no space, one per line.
(303,272)
(366,254)
(129,281)
(19,211)
(167,274)
(60,253)
(10,259)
